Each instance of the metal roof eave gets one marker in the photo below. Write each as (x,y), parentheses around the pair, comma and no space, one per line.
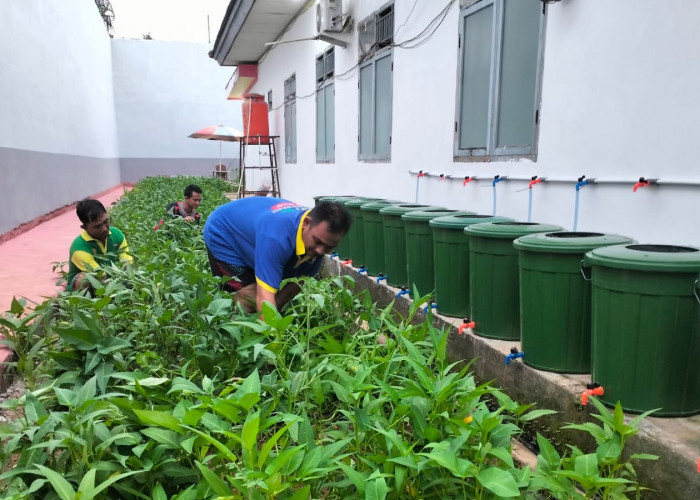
(237,43)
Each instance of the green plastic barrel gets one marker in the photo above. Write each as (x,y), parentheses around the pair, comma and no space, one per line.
(493,276)
(420,263)
(451,258)
(343,248)
(356,243)
(374,235)
(555,299)
(395,240)
(645,327)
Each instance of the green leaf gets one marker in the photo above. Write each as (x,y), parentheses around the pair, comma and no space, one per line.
(215,482)
(643,456)
(152,381)
(503,454)
(548,452)
(158,492)
(16,307)
(249,438)
(33,409)
(220,307)
(499,482)
(586,465)
(162,436)
(532,415)
(62,487)
(302,494)
(376,489)
(66,397)
(160,418)
(359,479)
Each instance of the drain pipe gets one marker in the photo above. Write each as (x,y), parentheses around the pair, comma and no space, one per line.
(582,181)
(496,180)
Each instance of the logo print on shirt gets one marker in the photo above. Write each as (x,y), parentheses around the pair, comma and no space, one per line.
(285,206)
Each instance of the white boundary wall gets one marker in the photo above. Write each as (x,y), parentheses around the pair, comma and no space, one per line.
(619,101)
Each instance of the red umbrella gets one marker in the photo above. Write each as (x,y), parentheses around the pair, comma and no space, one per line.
(218,133)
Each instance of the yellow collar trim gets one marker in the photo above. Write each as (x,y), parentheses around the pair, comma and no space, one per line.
(301,249)
(84,234)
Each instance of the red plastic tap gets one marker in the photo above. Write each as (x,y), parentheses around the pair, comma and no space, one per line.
(345,262)
(466,324)
(442,177)
(594,391)
(642,183)
(421,174)
(533,182)
(467,179)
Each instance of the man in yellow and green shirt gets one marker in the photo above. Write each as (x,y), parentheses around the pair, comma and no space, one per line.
(98,244)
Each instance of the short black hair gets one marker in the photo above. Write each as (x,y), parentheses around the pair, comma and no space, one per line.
(89,210)
(335,214)
(192,188)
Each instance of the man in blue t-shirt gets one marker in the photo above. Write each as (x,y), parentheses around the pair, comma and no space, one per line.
(260,241)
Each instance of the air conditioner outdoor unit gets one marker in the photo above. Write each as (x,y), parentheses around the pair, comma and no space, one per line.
(329,16)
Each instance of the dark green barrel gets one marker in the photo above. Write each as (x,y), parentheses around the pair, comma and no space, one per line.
(555,299)
(494,292)
(395,241)
(343,248)
(374,235)
(645,327)
(420,262)
(356,243)
(451,258)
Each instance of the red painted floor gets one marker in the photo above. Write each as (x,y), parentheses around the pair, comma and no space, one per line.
(27,259)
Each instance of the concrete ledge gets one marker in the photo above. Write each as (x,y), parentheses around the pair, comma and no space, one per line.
(675,440)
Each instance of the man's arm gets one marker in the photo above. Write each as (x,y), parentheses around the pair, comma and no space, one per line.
(264,295)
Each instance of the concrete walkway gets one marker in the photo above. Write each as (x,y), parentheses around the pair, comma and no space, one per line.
(27,258)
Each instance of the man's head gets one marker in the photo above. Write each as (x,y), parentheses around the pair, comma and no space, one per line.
(193,197)
(324,227)
(94,218)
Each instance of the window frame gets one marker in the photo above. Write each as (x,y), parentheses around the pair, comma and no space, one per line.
(325,83)
(381,49)
(290,120)
(491,152)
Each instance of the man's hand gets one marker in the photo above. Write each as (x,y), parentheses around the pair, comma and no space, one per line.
(188,218)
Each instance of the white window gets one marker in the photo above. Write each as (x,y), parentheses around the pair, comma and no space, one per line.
(290,119)
(376,37)
(325,107)
(498,79)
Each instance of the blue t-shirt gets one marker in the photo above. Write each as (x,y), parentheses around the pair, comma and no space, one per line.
(263,234)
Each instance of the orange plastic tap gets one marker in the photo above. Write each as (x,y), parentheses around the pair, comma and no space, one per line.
(346,262)
(466,324)
(592,390)
(534,181)
(467,179)
(641,183)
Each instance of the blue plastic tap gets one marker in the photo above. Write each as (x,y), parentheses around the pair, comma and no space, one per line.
(361,270)
(404,291)
(514,354)
(380,278)
(432,305)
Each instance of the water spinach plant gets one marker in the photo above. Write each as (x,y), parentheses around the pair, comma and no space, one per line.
(160,387)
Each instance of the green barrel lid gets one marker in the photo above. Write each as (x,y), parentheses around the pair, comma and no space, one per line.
(568,241)
(402,208)
(427,215)
(460,221)
(337,198)
(376,206)
(647,257)
(356,202)
(509,229)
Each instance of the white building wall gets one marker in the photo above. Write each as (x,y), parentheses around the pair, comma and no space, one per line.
(164,91)
(619,101)
(58,140)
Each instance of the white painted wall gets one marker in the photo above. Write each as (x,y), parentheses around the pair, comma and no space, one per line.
(164,92)
(619,101)
(58,139)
